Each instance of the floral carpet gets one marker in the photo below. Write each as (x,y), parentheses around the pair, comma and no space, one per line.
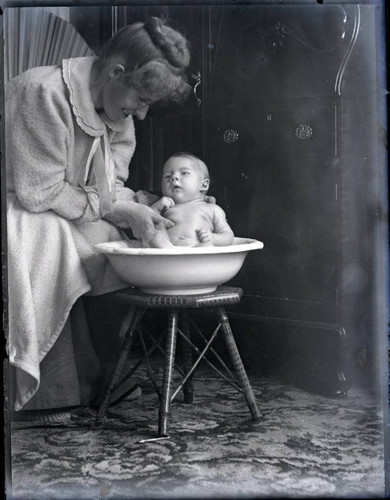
(306,446)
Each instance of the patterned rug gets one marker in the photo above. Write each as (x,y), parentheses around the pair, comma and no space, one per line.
(306,446)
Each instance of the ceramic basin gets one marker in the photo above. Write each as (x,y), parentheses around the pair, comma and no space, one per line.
(178,270)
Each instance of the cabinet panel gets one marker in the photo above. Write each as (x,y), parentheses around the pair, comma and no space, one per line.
(276,176)
(272,146)
(288,50)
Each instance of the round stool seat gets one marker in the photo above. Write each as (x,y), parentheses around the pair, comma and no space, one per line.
(224,295)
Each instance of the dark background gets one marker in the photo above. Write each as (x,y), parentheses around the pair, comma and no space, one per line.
(291,128)
(291,124)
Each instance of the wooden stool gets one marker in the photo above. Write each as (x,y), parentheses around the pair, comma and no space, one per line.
(138,303)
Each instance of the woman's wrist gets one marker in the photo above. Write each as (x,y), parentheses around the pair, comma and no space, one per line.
(122,213)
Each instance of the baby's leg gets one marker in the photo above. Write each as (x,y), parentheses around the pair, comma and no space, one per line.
(159,239)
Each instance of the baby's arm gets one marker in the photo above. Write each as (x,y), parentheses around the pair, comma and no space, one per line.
(223,234)
(163,204)
(205,236)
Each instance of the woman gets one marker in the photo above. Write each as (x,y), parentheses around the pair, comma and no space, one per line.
(69,141)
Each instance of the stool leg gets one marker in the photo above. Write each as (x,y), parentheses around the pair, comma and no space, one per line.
(188,388)
(166,389)
(128,328)
(238,365)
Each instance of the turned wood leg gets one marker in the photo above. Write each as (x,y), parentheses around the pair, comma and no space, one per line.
(169,361)
(128,328)
(188,388)
(238,365)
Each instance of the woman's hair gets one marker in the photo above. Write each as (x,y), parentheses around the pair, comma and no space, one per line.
(155,58)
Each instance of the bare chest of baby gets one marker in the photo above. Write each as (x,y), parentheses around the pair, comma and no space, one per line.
(189,218)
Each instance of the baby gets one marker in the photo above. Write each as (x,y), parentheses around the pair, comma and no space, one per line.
(185,182)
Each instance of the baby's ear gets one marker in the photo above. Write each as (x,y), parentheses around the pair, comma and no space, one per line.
(205,185)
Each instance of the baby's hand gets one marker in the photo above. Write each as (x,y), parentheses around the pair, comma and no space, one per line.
(204,236)
(163,204)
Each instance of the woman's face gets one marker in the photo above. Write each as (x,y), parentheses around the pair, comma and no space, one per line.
(119,101)
(183,180)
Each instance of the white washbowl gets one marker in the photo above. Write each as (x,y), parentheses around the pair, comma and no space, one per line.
(178,270)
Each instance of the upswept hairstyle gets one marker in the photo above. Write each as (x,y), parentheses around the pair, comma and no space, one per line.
(155,57)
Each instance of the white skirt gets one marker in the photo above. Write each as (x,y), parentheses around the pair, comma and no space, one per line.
(50,264)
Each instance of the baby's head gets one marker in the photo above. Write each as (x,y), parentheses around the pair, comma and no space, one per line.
(185,178)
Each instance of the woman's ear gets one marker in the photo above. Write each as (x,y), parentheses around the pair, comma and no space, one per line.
(116,71)
(205,185)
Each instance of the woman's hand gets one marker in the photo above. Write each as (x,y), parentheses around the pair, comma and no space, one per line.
(141,219)
(210,199)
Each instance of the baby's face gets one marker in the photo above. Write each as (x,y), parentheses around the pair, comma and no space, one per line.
(183,180)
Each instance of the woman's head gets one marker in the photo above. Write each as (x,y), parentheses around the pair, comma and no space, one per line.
(149,57)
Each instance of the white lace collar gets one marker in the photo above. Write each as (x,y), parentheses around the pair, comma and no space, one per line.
(76,73)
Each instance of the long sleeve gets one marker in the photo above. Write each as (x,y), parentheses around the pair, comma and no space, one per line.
(122,146)
(39,131)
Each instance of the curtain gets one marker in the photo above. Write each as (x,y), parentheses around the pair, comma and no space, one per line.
(39,37)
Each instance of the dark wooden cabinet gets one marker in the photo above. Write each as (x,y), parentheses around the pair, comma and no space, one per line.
(287,124)
(273,132)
